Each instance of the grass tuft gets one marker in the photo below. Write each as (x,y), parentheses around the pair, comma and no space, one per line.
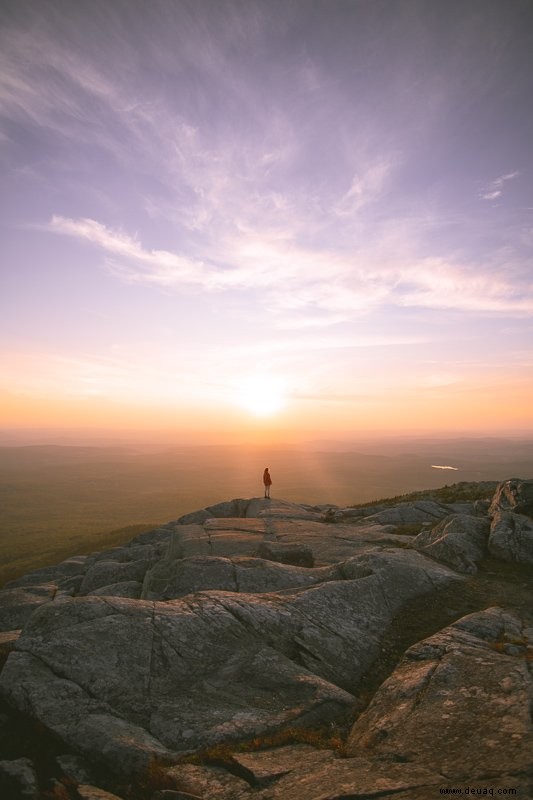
(323,738)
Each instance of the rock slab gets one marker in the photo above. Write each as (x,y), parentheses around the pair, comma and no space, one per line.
(125,680)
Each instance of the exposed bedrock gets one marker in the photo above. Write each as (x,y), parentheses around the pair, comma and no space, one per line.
(458,703)
(118,678)
(459,540)
(256,616)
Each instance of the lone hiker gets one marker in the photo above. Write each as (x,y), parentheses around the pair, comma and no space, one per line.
(267,480)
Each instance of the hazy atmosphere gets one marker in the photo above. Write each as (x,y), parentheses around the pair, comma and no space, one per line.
(266,399)
(240,220)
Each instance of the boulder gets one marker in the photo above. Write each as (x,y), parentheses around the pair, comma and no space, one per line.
(108,572)
(124,680)
(351,513)
(459,541)
(262,767)
(131,589)
(481,507)
(19,603)
(255,507)
(70,568)
(227,537)
(8,640)
(156,536)
(18,780)
(275,508)
(298,554)
(133,551)
(366,537)
(229,508)
(75,768)
(86,722)
(88,792)
(173,578)
(322,775)
(458,703)
(511,537)
(514,495)
(329,544)
(203,782)
(411,513)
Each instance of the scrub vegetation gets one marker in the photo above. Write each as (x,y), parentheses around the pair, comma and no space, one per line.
(462,492)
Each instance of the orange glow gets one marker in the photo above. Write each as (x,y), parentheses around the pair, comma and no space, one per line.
(488,408)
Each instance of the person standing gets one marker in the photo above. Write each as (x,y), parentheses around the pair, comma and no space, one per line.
(267,480)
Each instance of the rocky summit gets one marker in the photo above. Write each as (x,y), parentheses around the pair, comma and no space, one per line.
(261,649)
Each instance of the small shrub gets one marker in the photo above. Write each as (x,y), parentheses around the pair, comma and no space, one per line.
(504,644)
(325,738)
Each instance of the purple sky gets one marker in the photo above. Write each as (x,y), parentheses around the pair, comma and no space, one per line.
(208,198)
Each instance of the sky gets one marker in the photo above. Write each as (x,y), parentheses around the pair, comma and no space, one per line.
(266,218)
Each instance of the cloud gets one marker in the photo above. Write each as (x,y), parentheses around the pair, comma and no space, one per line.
(438,283)
(310,343)
(247,261)
(47,83)
(301,284)
(366,187)
(159,267)
(236,173)
(494,189)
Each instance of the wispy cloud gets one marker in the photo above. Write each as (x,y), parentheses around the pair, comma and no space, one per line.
(438,283)
(265,196)
(494,189)
(159,267)
(302,284)
(365,188)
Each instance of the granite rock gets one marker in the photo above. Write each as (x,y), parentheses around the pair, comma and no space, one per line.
(460,541)
(511,537)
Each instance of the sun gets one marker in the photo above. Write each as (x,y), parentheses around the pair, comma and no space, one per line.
(261,395)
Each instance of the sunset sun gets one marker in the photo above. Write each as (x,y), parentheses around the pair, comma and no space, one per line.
(261,396)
